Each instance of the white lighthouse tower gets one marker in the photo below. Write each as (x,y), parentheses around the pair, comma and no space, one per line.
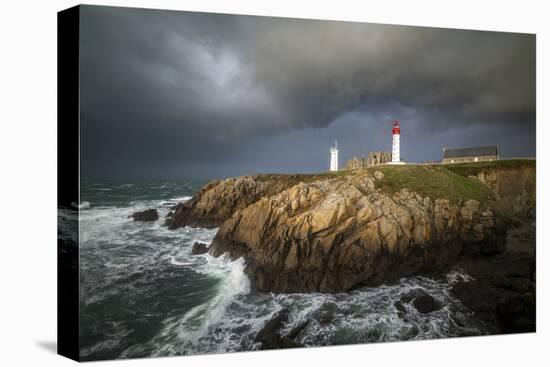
(334,157)
(395,158)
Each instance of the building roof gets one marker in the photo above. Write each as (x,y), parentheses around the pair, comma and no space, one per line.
(470,152)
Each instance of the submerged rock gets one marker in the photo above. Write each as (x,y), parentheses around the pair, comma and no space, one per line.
(426,303)
(422,302)
(146,215)
(199,248)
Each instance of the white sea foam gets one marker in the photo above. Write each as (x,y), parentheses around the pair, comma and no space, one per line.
(181,199)
(193,328)
(458,275)
(82,205)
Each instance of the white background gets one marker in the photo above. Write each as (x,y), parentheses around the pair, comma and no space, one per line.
(28,182)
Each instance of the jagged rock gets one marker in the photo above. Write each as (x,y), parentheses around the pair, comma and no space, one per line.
(199,248)
(146,215)
(269,335)
(295,331)
(273,325)
(340,233)
(513,187)
(219,199)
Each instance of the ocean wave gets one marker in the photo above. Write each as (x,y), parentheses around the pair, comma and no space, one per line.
(232,320)
(181,199)
(193,330)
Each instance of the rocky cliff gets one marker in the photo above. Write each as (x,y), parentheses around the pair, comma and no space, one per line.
(337,231)
(344,232)
(219,199)
(513,183)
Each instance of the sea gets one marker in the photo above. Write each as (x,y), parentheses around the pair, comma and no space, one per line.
(142,292)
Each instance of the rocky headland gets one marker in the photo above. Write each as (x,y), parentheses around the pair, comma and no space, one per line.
(219,199)
(339,231)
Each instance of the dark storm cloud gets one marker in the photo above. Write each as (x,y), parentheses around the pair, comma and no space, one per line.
(169,92)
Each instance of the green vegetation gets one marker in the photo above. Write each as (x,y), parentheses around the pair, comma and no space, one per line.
(435,181)
(450,181)
(302,177)
(472,169)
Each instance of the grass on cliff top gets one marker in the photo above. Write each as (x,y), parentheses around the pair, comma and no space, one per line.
(301,177)
(434,181)
(472,169)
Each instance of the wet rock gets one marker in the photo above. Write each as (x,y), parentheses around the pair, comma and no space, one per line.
(426,303)
(496,292)
(422,302)
(145,216)
(324,317)
(273,325)
(293,334)
(269,336)
(199,248)
(517,314)
(277,341)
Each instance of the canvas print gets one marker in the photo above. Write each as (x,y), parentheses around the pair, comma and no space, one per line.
(233,183)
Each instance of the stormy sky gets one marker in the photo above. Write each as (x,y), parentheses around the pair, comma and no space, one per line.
(195,95)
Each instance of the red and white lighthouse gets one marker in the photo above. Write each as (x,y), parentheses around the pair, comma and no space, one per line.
(395,158)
